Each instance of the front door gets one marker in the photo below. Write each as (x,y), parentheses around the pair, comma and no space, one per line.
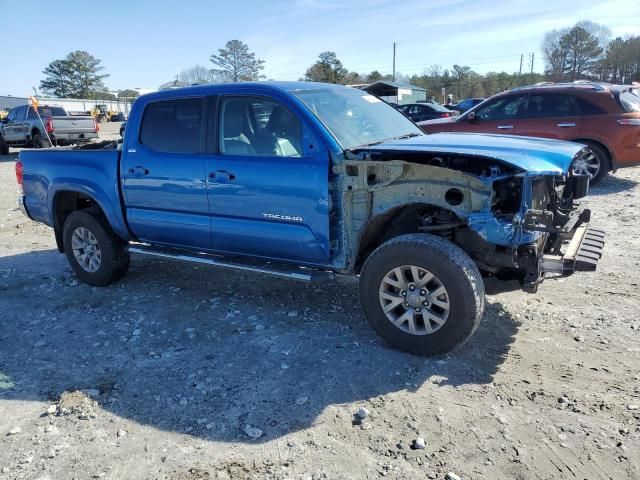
(164,178)
(10,127)
(497,116)
(268,183)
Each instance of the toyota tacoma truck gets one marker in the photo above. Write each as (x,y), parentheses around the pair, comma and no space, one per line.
(24,128)
(308,181)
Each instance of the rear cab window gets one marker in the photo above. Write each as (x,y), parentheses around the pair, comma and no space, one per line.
(173,126)
(47,111)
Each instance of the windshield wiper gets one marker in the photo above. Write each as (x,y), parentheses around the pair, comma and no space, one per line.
(408,135)
(378,142)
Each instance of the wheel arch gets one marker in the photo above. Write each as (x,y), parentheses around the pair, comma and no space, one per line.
(400,220)
(64,201)
(607,150)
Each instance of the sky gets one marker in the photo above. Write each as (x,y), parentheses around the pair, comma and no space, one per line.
(143,44)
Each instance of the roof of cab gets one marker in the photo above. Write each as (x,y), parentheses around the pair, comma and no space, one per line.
(217,87)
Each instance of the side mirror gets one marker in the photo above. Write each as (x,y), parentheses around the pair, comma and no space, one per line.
(471,117)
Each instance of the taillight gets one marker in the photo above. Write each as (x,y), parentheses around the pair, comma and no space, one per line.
(629,121)
(445,114)
(48,125)
(19,174)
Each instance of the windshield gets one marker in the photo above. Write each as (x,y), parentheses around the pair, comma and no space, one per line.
(356,118)
(438,108)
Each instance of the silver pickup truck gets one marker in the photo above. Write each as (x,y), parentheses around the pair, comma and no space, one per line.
(23,127)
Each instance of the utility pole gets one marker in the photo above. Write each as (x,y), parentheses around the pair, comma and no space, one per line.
(520,71)
(532,58)
(394,62)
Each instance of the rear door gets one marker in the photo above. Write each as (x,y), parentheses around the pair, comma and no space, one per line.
(267,182)
(550,115)
(163,172)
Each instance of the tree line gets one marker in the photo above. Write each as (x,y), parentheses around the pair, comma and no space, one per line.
(583,51)
(587,51)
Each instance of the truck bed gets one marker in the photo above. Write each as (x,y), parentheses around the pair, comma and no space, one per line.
(74,125)
(92,171)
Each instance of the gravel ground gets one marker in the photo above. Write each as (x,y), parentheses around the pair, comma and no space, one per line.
(188,372)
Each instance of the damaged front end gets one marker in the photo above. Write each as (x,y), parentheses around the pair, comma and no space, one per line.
(512,221)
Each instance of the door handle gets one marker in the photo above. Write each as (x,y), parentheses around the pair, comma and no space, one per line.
(139,171)
(505,127)
(221,175)
(566,125)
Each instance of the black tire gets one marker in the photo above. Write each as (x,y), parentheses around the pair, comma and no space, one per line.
(452,267)
(604,160)
(39,142)
(115,258)
(4,148)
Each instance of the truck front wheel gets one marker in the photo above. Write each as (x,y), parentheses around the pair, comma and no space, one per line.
(422,294)
(95,253)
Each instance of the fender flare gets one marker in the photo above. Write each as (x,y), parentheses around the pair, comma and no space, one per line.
(91,190)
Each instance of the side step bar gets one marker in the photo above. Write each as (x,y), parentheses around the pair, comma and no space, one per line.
(278,270)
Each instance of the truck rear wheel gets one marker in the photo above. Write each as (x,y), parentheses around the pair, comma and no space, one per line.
(95,253)
(422,294)
(39,142)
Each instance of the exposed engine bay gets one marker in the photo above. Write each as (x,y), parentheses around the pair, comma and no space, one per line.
(506,219)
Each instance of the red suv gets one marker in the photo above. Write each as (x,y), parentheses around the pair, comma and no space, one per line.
(605,117)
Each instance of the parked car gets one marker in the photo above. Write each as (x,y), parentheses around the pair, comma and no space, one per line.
(604,117)
(24,128)
(118,117)
(425,111)
(465,105)
(335,182)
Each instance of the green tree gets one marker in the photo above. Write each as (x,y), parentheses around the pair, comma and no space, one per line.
(374,76)
(583,52)
(327,69)
(102,96)
(236,63)
(57,81)
(128,93)
(576,52)
(621,63)
(84,77)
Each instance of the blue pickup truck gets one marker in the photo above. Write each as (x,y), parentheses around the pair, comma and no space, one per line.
(307,181)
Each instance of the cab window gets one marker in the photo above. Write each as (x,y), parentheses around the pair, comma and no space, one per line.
(254,126)
(173,126)
(13,113)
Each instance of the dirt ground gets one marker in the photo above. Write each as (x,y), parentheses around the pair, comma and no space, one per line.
(189,372)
